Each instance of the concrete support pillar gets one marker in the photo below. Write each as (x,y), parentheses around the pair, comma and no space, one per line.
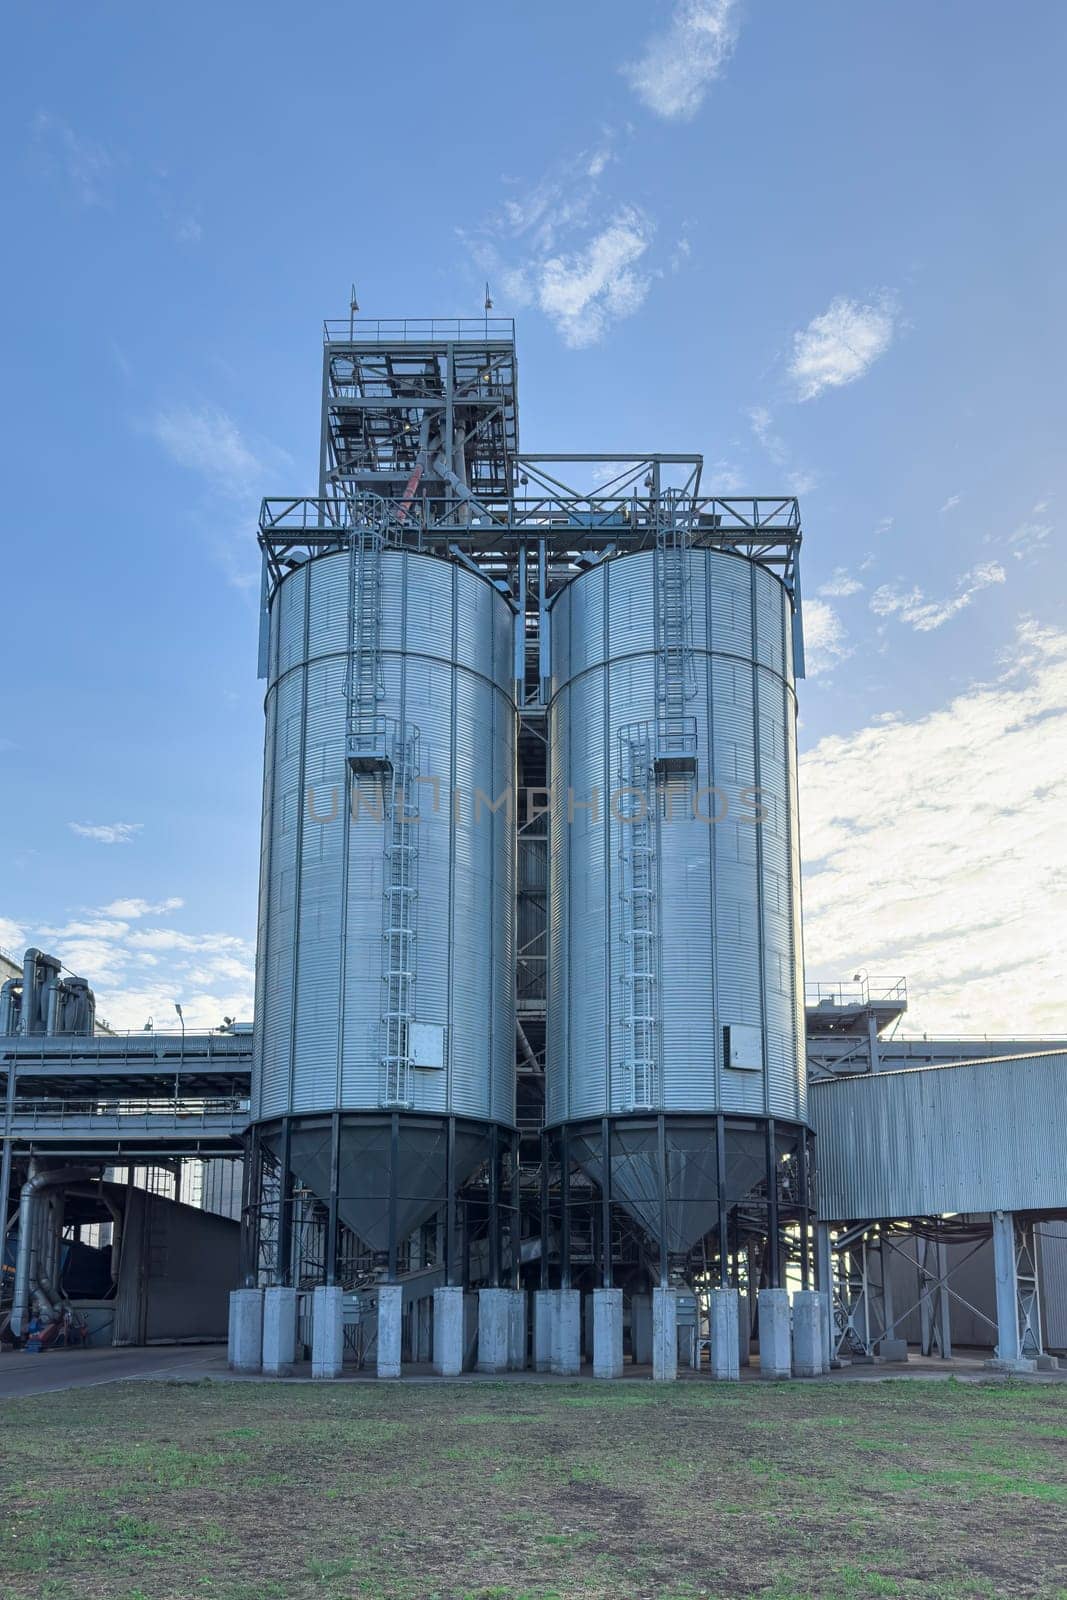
(641,1329)
(664,1335)
(448,1332)
(808,1337)
(390,1328)
(1008,1356)
(327,1331)
(607,1333)
(544,1314)
(517,1336)
(824,1278)
(567,1334)
(774,1337)
(724,1319)
(744,1329)
(279,1331)
(494,1325)
(246,1330)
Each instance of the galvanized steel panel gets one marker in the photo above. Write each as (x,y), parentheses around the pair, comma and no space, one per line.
(974,1136)
(728,946)
(445,669)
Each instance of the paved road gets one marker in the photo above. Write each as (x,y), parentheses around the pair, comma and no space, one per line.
(22,1374)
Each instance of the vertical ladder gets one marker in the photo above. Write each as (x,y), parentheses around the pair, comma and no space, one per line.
(364,687)
(675,668)
(637,810)
(399,917)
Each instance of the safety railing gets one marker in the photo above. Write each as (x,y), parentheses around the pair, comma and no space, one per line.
(861,991)
(390,330)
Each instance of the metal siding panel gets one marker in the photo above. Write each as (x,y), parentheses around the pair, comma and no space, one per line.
(978,1136)
(446,667)
(711,897)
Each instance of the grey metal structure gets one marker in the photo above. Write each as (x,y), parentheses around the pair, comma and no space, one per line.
(971,1137)
(423,489)
(676,1075)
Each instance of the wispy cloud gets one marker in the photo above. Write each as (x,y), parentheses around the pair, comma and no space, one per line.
(825,639)
(676,68)
(208,441)
(841,584)
(1028,537)
(139,972)
(950,504)
(911,606)
(562,245)
(106,832)
(840,345)
(142,908)
(970,871)
(82,164)
(586,291)
(796,480)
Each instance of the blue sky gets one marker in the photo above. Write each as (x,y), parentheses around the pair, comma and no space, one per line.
(823,244)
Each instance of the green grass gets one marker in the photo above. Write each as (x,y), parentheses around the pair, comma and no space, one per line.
(926,1491)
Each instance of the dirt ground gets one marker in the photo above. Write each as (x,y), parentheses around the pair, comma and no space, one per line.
(152,1491)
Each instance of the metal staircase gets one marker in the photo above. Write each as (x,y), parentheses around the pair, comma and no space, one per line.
(637,811)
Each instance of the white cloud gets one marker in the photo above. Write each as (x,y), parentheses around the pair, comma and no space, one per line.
(209,442)
(138,972)
(840,585)
(825,638)
(84,165)
(840,345)
(797,480)
(142,908)
(936,849)
(950,504)
(913,607)
(1028,537)
(586,291)
(677,67)
(106,832)
(883,526)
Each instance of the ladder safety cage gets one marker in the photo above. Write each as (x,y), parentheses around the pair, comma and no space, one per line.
(638,822)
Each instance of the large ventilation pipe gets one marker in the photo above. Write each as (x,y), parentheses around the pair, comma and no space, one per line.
(9,1007)
(26,1267)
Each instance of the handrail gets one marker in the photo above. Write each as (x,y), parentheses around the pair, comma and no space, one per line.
(391,330)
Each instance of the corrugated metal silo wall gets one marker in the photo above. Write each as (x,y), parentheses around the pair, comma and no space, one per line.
(446,664)
(729,893)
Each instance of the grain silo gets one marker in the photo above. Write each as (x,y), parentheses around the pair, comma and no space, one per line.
(383,1082)
(676,1077)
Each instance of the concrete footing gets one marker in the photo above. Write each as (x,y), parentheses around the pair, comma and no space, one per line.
(724,1323)
(517,1338)
(607,1333)
(494,1329)
(327,1331)
(774,1338)
(390,1329)
(448,1331)
(566,1357)
(1011,1364)
(279,1331)
(544,1311)
(245,1345)
(664,1335)
(744,1329)
(892,1349)
(809,1356)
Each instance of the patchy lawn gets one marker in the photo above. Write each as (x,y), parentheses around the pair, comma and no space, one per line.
(531,1491)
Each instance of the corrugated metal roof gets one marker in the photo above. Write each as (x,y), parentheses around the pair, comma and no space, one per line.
(922,1141)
